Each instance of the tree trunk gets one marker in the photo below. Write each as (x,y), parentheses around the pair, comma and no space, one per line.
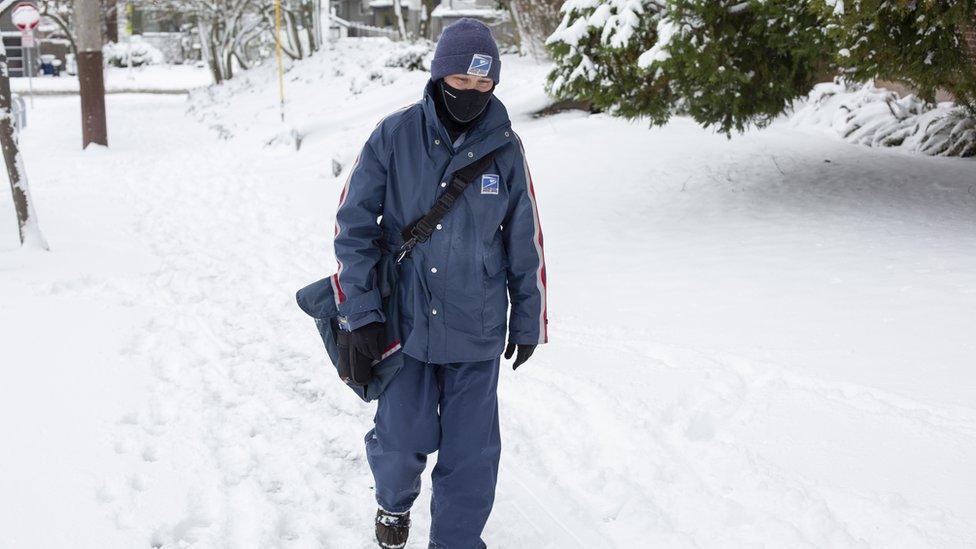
(112,20)
(427,7)
(209,55)
(398,11)
(218,51)
(91,76)
(308,21)
(27,227)
(291,28)
(520,36)
(317,24)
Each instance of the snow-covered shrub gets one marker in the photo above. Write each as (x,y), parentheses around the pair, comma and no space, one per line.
(877,117)
(142,52)
(920,43)
(413,57)
(726,63)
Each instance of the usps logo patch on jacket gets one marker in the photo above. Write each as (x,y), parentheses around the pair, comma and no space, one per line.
(480,65)
(489,184)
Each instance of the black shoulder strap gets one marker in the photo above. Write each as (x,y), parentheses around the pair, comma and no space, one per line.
(421,229)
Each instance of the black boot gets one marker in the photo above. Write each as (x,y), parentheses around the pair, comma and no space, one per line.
(392,529)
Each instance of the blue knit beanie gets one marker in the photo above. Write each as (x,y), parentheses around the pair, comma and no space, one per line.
(466,47)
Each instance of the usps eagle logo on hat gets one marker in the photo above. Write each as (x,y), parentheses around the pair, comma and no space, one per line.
(480,65)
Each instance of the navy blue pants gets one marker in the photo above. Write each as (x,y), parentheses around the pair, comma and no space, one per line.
(451,409)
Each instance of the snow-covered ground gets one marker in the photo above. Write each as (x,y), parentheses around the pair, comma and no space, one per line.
(150,78)
(764,341)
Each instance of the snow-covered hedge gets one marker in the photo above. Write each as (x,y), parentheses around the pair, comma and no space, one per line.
(413,57)
(143,53)
(878,117)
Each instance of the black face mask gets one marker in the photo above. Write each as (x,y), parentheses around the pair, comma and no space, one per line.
(464,105)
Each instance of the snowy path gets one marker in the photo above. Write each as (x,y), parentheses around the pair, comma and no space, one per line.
(720,389)
(244,439)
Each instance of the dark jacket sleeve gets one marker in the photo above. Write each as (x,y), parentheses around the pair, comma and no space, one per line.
(527,265)
(356,237)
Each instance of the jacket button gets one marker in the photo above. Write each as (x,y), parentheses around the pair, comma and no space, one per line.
(437,141)
(433,311)
(433,270)
(439,226)
(507,134)
(443,183)
(470,155)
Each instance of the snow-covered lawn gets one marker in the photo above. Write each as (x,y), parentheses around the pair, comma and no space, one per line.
(158,78)
(764,341)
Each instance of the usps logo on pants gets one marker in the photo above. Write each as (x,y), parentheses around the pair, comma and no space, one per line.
(489,184)
(480,65)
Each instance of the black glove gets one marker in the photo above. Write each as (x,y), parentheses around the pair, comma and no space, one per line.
(524,352)
(358,350)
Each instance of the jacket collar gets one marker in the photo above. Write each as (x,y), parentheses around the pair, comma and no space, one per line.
(491,127)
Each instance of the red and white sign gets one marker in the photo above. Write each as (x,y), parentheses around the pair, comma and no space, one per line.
(26,17)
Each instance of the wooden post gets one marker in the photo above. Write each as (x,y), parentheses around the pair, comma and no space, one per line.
(91,76)
(27,227)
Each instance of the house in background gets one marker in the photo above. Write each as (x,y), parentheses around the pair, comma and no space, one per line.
(171,31)
(486,11)
(16,54)
(372,17)
(384,15)
(379,14)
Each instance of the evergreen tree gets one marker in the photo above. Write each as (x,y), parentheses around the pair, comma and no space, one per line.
(725,63)
(729,63)
(738,63)
(596,47)
(918,42)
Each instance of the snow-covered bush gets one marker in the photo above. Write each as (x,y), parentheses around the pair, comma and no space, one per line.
(142,52)
(919,43)
(726,63)
(877,117)
(413,57)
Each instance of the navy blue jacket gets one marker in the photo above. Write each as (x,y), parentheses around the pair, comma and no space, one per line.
(452,290)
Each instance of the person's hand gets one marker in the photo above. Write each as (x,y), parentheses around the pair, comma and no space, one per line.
(368,340)
(358,350)
(524,352)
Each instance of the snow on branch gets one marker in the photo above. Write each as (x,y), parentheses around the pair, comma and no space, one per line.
(876,117)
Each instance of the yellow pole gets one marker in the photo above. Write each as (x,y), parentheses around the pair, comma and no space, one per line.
(281,66)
